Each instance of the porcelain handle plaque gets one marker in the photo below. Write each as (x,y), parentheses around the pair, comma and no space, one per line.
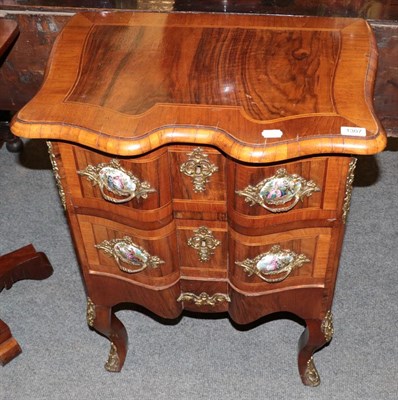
(199,168)
(275,265)
(280,192)
(125,251)
(113,178)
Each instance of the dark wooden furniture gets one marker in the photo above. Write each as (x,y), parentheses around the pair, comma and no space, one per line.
(24,263)
(8,34)
(204,161)
(22,74)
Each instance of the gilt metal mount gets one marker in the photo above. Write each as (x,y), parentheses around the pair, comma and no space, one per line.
(204,299)
(126,251)
(273,263)
(199,168)
(113,178)
(204,243)
(280,192)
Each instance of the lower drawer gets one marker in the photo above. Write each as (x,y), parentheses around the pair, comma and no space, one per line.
(146,258)
(110,291)
(300,257)
(304,302)
(203,247)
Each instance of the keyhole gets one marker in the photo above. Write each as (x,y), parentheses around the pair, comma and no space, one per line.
(198,169)
(203,243)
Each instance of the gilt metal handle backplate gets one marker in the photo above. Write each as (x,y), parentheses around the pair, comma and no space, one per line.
(199,168)
(204,243)
(125,251)
(279,189)
(273,263)
(113,178)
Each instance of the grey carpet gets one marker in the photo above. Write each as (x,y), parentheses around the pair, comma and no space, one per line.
(196,358)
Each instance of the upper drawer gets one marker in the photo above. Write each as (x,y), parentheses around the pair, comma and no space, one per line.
(136,188)
(309,189)
(198,173)
(297,258)
(197,180)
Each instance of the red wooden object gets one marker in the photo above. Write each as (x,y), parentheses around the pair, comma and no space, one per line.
(24,263)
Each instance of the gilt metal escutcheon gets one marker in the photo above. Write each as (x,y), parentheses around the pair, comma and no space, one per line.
(204,242)
(199,168)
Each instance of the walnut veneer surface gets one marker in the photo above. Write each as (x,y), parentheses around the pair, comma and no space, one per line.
(40,21)
(203,161)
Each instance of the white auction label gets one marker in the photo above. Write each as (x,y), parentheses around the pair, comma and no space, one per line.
(352,131)
(271,133)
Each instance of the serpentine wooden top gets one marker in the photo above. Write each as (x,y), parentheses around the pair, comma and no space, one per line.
(126,83)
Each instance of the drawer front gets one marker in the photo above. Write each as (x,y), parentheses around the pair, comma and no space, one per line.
(309,189)
(284,260)
(198,177)
(102,181)
(203,247)
(108,290)
(146,258)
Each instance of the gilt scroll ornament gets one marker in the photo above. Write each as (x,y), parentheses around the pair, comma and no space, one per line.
(113,178)
(279,189)
(348,189)
(124,250)
(113,362)
(204,243)
(56,174)
(90,312)
(272,263)
(204,299)
(311,375)
(327,326)
(199,168)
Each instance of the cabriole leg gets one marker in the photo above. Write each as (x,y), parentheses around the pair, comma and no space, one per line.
(103,320)
(316,335)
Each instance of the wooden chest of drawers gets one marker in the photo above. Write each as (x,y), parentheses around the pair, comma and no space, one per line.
(205,162)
